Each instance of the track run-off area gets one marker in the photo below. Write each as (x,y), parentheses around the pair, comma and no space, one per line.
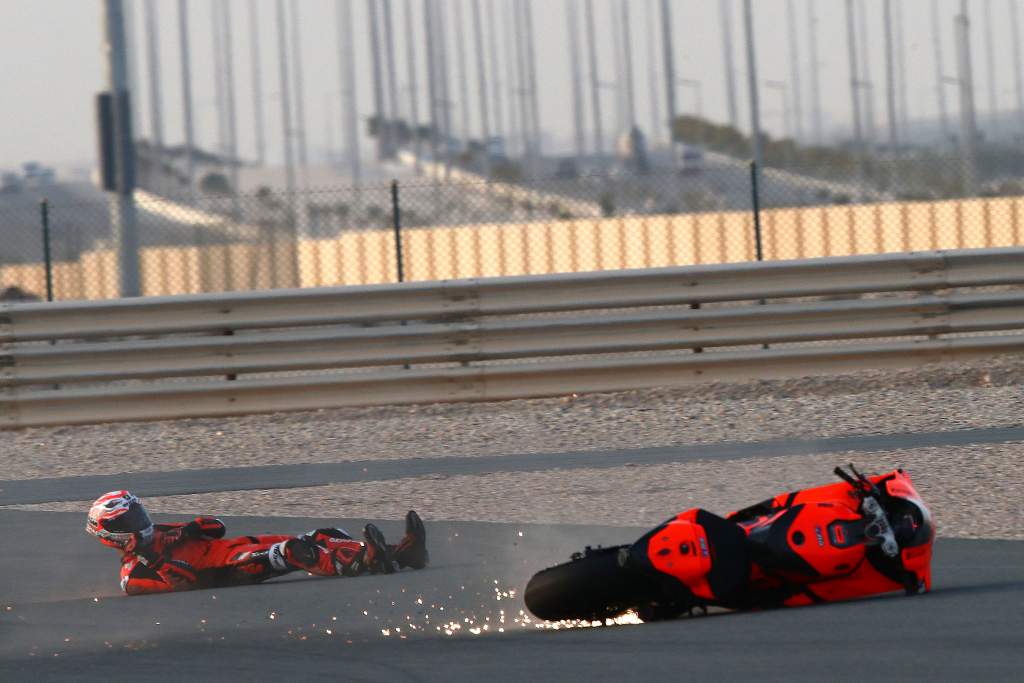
(62,615)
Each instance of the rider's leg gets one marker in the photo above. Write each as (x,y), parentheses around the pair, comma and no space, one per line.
(330,556)
(411,551)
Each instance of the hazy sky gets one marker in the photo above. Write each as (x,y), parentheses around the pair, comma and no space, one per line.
(51,66)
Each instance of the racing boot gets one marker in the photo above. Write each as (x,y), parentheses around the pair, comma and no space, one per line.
(380,557)
(411,551)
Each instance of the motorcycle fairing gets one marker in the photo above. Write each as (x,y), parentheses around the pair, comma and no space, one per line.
(703,551)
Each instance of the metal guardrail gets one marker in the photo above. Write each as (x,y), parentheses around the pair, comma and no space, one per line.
(501,337)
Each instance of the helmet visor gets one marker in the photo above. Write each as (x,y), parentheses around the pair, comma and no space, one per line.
(133,520)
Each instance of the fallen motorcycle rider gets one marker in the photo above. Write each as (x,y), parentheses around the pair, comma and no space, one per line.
(160,558)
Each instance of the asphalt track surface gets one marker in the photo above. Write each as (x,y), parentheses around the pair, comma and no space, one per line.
(62,616)
(46,490)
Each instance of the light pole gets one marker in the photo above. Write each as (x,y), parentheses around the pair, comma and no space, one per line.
(186,97)
(257,82)
(725,18)
(122,205)
(890,82)
(851,44)
(940,72)
(1018,76)
(572,21)
(153,59)
(669,68)
(794,68)
(815,66)
(968,124)
(595,78)
(755,107)
(347,74)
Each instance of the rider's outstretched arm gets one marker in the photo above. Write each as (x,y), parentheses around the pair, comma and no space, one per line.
(156,575)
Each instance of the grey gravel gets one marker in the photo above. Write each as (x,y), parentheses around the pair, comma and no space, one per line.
(974,492)
(943,397)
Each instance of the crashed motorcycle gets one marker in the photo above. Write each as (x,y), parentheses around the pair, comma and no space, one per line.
(862,536)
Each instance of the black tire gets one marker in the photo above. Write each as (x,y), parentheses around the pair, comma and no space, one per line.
(592,587)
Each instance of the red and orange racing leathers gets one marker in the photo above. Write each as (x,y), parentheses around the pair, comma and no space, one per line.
(196,555)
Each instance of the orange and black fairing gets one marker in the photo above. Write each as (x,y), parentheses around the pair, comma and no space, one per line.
(797,548)
(705,553)
(815,538)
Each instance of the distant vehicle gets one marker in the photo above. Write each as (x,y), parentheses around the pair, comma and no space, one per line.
(691,160)
(567,170)
(36,172)
(10,182)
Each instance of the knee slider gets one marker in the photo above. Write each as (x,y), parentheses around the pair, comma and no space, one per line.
(295,553)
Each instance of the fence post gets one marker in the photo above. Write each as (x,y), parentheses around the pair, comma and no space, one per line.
(44,212)
(755,200)
(396,216)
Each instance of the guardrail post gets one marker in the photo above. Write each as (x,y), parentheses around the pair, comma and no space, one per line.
(396,217)
(44,214)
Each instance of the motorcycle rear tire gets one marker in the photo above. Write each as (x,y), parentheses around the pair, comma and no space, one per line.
(593,587)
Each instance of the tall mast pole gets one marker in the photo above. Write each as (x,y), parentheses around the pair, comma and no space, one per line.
(866,82)
(595,83)
(627,66)
(347,72)
(531,66)
(414,106)
(186,96)
(794,69)
(668,55)
(286,108)
(650,30)
(940,73)
(122,205)
(890,82)
(257,82)
(131,48)
(380,108)
(514,96)
(300,96)
(901,68)
(496,84)
(229,86)
(755,107)
(153,61)
(1018,66)
(614,19)
(572,23)
(851,43)
(394,103)
(815,65)
(481,80)
(522,82)
(217,33)
(442,73)
(968,122)
(461,70)
(990,67)
(432,87)
(725,16)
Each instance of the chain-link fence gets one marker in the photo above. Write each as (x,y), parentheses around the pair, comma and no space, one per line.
(436,228)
